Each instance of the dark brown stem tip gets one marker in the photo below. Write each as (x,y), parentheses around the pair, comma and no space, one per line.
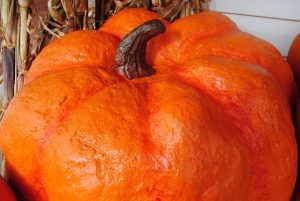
(131,54)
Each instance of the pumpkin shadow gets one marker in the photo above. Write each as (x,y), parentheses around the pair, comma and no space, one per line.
(24,191)
(296,120)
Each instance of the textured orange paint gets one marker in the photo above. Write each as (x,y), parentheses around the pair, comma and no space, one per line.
(81,48)
(6,194)
(212,124)
(124,22)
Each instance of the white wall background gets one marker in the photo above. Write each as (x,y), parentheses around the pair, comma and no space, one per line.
(276,21)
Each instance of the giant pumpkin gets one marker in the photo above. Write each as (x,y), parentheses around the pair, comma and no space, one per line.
(200,112)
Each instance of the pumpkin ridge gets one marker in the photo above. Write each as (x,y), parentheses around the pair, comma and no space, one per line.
(91,144)
(265,55)
(247,125)
(70,67)
(87,47)
(252,154)
(133,16)
(178,48)
(160,160)
(185,44)
(52,128)
(188,29)
(65,110)
(76,103)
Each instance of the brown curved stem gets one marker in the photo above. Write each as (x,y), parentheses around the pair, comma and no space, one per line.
(131,54)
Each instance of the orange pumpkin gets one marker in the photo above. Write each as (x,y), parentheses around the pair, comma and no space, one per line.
(206,118)
(294,57)
(294,60)
(6,194)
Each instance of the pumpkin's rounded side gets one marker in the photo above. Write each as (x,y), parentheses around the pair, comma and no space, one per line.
(294,57)
(77,49)
(294,61)
(55,87)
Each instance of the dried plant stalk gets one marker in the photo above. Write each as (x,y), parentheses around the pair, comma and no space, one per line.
(72,14)
(8,9)
(51,19)
(8,21)
(169,9)
(24,9)
(22,43)
(38,37)
(9,24)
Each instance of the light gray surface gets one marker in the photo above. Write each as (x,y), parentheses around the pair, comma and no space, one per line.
(276,21)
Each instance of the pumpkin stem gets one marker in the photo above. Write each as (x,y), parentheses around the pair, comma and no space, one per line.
(131,54)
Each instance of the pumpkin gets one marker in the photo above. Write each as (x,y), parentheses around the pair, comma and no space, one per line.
(200,112)
(294,60)
(6,194)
